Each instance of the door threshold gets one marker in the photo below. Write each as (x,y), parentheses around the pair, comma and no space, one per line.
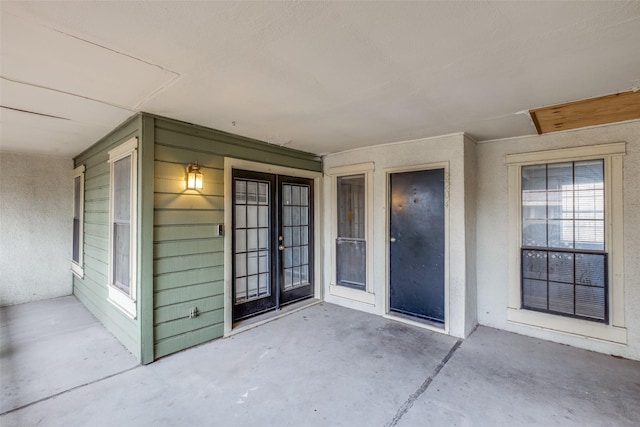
(415,321)
(252,322)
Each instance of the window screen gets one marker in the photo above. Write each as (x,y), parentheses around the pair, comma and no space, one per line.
(77,198)
(122,222)
(350,241)
(564,263)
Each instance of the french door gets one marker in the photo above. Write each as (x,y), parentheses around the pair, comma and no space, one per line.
(272,241)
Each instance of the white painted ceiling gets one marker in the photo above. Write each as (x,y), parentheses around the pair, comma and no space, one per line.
(316,76)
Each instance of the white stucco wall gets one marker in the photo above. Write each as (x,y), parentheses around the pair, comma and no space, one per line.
(449,148)
(492,230)
(36,196)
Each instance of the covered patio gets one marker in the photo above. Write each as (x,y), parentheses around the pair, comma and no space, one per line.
(323,365)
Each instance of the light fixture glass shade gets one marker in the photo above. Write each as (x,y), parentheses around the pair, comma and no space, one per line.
(194,177)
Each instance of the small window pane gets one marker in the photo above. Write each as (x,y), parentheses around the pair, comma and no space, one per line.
(252,263)
(304,195)
(263,261)
(241,265)
(534,265)
(534,204)
(560,234)
(252,192)
(589,204)
(561,266)
(534,177)
(286,194)
(241,290)
(589,174)
(304,274)
(560,176)
(295,236)
(252,216)
(561,297)
(590,302)
(263,238)
(263,216)
(590,269)
(241,192)
(589,234)
(263,281)
(295,256)
(252,286)
(560,204)
(241,216)
(241,241)
(263,193)
(288,257)
(295,195)
(288,278)
(534,233)
(534,294)
(252,240)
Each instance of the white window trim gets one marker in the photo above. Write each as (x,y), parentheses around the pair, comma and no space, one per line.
(366,296)
(125,302)
(612,154)
(78,267)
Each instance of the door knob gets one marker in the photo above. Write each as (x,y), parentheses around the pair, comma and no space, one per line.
(392,240)
(281,247)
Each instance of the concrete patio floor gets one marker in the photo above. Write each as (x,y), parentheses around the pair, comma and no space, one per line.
(321,366)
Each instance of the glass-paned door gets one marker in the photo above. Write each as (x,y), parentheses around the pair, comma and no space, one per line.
(296,238)
(253,223)
(272,241)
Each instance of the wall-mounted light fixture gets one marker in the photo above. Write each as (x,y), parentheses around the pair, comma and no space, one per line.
(194,177)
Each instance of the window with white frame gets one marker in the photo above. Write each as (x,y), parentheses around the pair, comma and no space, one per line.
(564,262)
(351,244)
(78,222)
(351,231)
(122,226)
(566,219)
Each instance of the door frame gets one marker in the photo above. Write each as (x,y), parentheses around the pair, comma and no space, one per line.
(447,180)
(231,163)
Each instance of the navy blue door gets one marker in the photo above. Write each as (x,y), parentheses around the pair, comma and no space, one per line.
(417,238)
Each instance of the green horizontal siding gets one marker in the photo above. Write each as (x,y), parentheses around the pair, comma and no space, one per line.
(188,339)
(188,253)
(92,288)
(167,297)
(187,247)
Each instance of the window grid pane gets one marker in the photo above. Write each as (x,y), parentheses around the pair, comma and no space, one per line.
(295,232)
(252,244)
(563,262)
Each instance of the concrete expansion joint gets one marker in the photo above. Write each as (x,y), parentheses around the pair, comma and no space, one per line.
(423,387)
(69,390)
